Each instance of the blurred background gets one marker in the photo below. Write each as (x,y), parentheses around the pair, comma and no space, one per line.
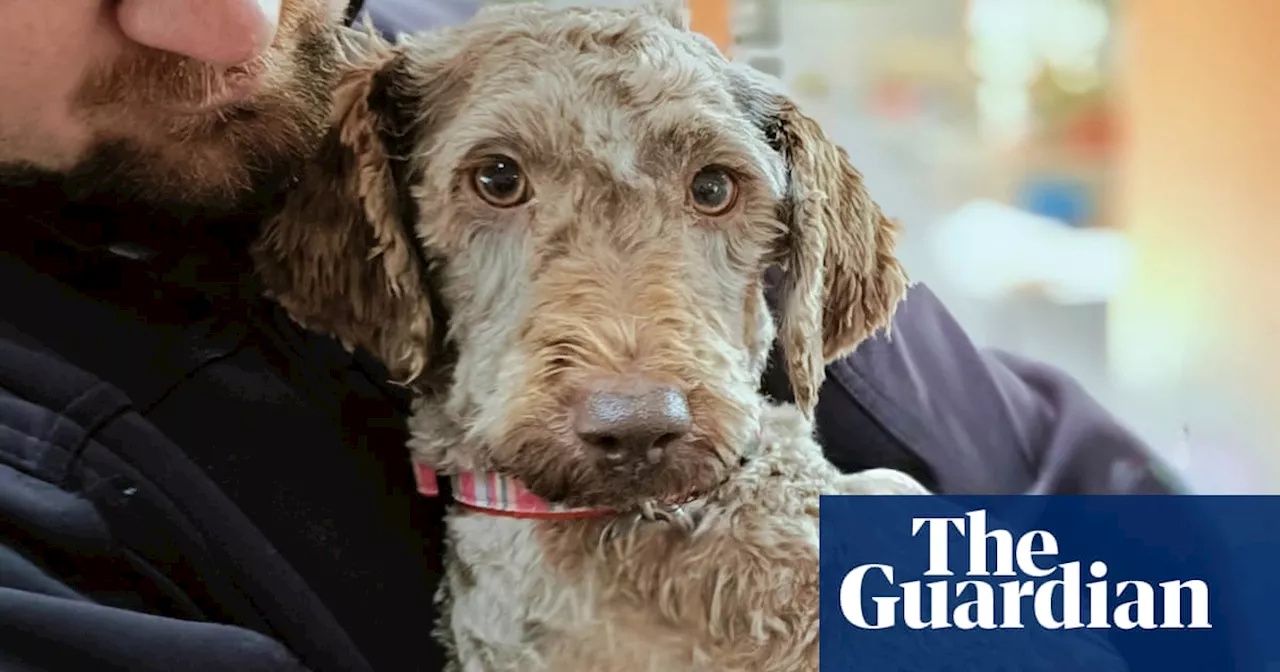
(1091,183)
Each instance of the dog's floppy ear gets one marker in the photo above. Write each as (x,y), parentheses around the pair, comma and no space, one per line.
(340,257)
(843,281)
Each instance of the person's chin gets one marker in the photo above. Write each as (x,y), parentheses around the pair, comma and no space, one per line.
(200,180)
(228,160)
(228,154)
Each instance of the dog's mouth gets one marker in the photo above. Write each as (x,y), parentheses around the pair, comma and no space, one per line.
(562,472)
(684,513)
(630,444)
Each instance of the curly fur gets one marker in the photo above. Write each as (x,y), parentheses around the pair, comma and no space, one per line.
(498,318)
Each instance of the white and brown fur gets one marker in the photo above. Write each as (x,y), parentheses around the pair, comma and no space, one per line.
(496,317)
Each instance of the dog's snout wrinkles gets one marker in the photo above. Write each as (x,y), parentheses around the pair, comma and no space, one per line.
(630,418)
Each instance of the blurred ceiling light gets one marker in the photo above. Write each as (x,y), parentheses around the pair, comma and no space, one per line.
(1012,42)
(1001,19)
(1005,112)
(1004,62)
(1079,81)
(1002,55)
(990,250)
(1071,33)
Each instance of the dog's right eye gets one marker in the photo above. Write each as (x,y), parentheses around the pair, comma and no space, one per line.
(500,182)
(713,191)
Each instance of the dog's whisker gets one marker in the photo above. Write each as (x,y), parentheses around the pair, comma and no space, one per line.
(648,510)
(682,520)
(676,515)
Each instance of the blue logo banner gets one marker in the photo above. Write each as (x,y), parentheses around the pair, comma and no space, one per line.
(1050,583)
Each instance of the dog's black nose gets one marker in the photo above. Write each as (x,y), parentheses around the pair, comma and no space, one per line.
(632,418)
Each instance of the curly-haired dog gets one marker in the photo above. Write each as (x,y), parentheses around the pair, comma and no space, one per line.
(555,227)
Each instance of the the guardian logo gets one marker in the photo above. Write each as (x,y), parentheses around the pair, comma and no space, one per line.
(1039,586)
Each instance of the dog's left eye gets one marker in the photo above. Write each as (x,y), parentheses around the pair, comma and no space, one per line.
(713,191)
(500,182)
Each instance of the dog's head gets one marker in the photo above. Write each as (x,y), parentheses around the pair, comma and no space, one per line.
(556,226)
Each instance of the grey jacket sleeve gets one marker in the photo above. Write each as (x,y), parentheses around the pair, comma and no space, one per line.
(1077,446)
(985,421)
(392,17)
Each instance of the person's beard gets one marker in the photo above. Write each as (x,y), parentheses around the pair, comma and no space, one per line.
(180,181)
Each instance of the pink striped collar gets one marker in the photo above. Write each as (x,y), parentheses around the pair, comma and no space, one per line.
(499,495)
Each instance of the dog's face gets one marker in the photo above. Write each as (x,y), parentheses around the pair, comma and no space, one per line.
(557,224)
